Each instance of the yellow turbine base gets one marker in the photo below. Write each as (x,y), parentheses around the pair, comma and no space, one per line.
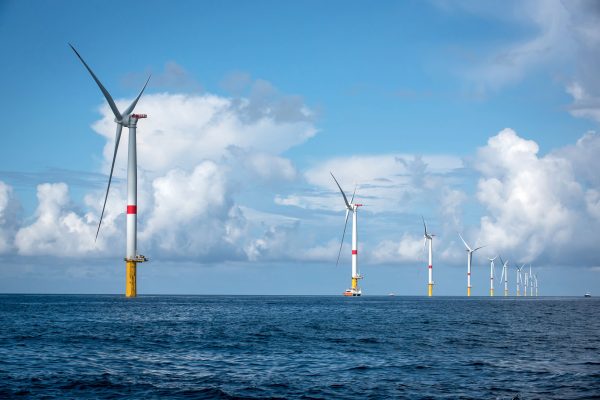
(468,291)
(491,292)
(354,283)
(506,293)
(131,279)
(430,289)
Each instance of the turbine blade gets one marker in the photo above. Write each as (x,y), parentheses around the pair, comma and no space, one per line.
(463,240)
(343,235)
(353,193)
(502,275)
(112,167)
(129,109)
(424,225)
(480,247)
(502,261)
(107,96)
(339,187)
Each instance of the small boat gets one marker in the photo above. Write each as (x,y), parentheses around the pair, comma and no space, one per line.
(588,294)
(352,292)
(391,294)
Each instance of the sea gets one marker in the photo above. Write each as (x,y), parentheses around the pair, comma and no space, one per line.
(298,347)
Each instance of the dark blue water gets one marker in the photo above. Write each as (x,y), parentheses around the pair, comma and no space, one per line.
(298,347)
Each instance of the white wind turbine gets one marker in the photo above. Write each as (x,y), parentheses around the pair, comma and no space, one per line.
(504,277)
(530,281)
(129,120)
(519,279)
(469,260)
(351,207)
(429,238)
(492,272)
(536,284)
(525,284)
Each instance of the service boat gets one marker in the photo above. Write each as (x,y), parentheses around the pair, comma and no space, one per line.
(587,295)
(352,292)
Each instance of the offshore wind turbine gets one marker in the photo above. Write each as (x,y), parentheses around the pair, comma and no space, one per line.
(492,275)
(429,237)
(469,260)
(536,285)
(504,276)
(129,120)
(530,281)
(525,285)
(519,279)
(351,207)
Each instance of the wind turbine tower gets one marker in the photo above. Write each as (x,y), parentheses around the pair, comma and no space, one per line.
(492,276)
(504,277)
(536,285)
(525,284)
(351,207)
(530,281)
(519,279)
(429,238)
(469,260)
(129,120)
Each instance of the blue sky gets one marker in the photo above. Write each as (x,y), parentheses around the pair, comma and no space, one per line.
(480,116)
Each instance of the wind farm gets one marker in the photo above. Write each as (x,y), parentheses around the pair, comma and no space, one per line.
(307,179)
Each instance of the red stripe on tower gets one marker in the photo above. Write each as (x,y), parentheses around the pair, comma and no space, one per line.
(430,267)
(354,251)
(131,209)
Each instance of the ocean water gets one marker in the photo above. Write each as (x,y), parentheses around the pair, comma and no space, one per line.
(222,347)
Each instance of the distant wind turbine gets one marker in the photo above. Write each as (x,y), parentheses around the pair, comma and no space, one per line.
(469,260)
(519,279)
(429,238)
(351,207)
(504,277)
(492,275)
(129,120)
(530,281)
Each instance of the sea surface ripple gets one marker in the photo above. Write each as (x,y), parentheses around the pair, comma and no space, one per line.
(321,347)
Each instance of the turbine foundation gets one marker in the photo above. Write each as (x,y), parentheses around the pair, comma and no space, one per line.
(131,278)
(430,289)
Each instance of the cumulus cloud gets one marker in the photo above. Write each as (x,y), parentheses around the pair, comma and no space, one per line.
(57,230)
(408,249)
(534,205)
(195,152)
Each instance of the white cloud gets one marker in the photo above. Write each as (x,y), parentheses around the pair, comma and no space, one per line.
(195,154)
(408,249)
(57,230)
(535,205)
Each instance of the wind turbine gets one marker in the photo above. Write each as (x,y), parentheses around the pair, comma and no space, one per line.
(129,120)
(504,276)
(519,279)
(469,259)
(492,275)
(429,237)
(525,285)
(536,285)
(351,207)
(530,281)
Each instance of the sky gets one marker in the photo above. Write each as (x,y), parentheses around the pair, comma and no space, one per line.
(482,117)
